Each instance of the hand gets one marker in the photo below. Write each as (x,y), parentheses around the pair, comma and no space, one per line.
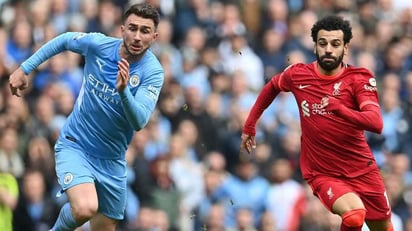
(18,81)
(248,143)
(331,103)
(122,75)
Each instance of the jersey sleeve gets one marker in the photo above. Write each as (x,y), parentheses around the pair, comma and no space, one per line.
(282,81)
(368,117)
(365,89)
(139,107)
(74,41)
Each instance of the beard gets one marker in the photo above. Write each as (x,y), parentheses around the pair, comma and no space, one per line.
(132,53)
(329,65)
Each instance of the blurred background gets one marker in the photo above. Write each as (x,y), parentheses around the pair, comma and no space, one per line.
(185,171)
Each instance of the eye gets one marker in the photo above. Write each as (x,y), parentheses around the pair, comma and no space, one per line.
(337,44)
(133,29)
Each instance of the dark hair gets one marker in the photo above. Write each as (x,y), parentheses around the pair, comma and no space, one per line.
(332,22)
(143,10)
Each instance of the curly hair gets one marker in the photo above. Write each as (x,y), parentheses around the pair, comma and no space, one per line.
(332,22)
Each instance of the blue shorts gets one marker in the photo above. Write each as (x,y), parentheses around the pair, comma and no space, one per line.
(74,166)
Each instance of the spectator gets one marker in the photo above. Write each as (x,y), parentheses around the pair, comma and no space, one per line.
(164,194)
(187,175)
(36,211)
(254,190)
(286,199)
(41,157)
(19,45)
(9,192)
(10,160)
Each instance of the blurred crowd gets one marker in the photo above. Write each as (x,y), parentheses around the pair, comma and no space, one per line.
(185,172)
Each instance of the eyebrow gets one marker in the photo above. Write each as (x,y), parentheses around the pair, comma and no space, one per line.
(142,26)
(333,40)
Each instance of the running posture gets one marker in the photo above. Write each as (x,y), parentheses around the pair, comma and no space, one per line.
(121,85)
(337,103)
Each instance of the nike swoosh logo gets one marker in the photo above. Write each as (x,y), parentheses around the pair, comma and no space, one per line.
(303,86)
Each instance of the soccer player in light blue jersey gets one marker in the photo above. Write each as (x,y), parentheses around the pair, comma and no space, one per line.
(121,85)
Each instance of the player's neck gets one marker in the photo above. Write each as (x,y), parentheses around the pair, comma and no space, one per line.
(124,53)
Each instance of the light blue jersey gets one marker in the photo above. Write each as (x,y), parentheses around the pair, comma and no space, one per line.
(92,143)
(103,120)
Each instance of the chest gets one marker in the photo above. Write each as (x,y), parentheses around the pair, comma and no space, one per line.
(313,90)
(102,76)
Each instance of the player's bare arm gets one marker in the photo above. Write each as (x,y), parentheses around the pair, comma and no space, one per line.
(18,81)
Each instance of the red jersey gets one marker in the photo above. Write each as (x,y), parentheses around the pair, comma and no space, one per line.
(330,145)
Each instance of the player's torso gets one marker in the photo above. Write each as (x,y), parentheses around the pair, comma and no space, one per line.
(101,75)
(309,89)
(98,116)
(330,144)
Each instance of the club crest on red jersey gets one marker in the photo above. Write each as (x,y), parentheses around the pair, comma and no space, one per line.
(336,89)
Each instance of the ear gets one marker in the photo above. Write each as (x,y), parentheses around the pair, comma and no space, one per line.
(314,49)
(122,28)
(346,49)
(155,35)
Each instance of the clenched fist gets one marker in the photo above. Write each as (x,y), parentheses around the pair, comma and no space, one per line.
(18,81)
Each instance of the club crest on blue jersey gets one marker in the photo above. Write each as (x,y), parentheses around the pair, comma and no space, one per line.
(68,178)
(134,80)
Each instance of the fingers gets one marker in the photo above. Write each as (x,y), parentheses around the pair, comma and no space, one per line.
(14,90)
(248,143)
(123,66)
(18,82)
(324,102)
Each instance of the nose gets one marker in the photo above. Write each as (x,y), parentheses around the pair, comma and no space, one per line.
(137,36)
(328,48)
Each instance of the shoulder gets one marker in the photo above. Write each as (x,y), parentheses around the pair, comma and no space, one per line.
(95,38)
(361,76)
(358,71)
(296,67)
(7,177)
(151,63)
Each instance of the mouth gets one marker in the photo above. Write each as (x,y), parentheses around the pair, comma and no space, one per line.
(136,48)
(328,59)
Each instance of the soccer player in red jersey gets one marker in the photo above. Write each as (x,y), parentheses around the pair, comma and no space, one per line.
(337,103)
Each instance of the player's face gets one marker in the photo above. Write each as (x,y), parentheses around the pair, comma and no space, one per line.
(330,50)
(138,34)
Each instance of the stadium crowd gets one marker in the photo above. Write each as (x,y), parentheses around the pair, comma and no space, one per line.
(185,171)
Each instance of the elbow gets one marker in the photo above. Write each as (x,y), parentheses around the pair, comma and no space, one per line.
(378,127)
(138,128)
(376,122)
(139,125)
